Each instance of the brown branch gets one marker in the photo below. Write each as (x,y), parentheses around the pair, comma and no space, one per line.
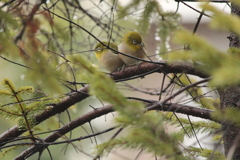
(82,93)
(55,109)
(63,130)
(184,109)
(169,107)
(146,68)
(28,19)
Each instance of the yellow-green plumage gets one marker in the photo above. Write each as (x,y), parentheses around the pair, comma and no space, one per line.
(108,58)
(132,45)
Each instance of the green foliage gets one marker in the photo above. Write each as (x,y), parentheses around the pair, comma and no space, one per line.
(209,59)
(237,2)
(8,151)
(201,51)
(228,114)
(223,20)
(147,132)
(209,103)
(231,63)
(217,138)
(206,153)
(235,52)
(197,92)
(198,126)
(6,45)
(134,4)
(19,108)
(104,87)
(147,129)
(22,110)
(42,70)
(168,23)
(149,10)
(7,21)
(206,57)
(8,26)
(187,127)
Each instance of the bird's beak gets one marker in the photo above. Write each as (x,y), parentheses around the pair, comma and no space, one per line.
(142,44)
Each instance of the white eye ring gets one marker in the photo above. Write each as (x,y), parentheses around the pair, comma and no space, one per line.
(134,41)
(98,49)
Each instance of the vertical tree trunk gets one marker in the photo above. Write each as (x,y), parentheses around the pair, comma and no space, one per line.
(230,97)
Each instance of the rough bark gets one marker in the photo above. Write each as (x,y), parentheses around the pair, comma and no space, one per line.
(230,97)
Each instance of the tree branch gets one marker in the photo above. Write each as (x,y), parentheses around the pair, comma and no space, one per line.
(72,99)
(28,19)
(81,94)
(63,130)
(169,107)
(184,109)
(146,68)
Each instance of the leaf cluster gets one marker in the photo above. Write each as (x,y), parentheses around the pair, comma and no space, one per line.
(22,109)
(208,58)
(206,153)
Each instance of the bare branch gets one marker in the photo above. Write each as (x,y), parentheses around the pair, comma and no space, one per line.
(184,109)
(147,68)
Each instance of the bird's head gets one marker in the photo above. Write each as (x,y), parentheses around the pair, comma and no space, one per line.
(133,40)
(100,49)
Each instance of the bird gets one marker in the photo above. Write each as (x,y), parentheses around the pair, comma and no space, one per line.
(108,58)
(132,45)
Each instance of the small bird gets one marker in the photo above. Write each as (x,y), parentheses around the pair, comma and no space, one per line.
(108,58)
(132,45)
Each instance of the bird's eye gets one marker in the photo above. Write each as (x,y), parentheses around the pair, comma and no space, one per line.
(134,41)
(98,49)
